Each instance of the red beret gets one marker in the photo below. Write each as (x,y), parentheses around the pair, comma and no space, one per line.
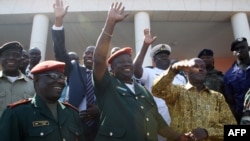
(48,66)
(125,50)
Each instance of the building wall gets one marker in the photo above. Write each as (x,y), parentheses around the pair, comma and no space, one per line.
(40,6)
(223,64)
(19,13)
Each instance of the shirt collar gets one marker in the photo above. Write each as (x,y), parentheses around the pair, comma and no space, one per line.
(21,75)
(189,86)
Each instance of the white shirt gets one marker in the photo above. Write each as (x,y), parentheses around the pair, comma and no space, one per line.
(149,75)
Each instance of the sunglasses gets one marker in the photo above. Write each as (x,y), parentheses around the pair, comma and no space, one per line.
(54,76)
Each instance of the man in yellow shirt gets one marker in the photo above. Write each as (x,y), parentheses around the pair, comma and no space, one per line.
(193,105)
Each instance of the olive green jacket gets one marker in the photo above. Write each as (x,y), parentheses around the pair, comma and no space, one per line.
(127,116)
(31,120)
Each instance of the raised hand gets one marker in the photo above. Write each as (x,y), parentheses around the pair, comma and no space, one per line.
(148,38)
(182,65)
(116,12)
(59,10)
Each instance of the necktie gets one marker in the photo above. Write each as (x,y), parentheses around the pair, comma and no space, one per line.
(90,89)
(90,94)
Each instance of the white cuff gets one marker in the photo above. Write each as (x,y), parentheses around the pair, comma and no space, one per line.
(57,28)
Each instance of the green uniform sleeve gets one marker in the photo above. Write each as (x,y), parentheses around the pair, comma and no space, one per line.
(9,127)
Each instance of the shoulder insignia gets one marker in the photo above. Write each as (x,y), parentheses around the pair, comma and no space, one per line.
(69,105)
(19,102)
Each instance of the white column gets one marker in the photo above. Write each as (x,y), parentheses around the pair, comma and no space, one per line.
(39,34)
(142,21)
(240,26)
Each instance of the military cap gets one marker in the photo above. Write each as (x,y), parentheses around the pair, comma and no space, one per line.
(206,52)
(48,66)
(11,45)
(241,40)
(125,50)
(160,48)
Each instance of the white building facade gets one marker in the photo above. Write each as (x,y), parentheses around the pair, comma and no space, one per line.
(187,25)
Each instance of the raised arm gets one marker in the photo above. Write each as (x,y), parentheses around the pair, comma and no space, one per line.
(148,40)
(115,14)
(162,85)
(58,31)
(58,36)
(60,11)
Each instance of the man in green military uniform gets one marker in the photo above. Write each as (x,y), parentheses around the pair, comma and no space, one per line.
(42,118)
(214,78)
(128,110)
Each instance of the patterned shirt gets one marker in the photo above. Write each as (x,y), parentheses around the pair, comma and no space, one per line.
(191,109)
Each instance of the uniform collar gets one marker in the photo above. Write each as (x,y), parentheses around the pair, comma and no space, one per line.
(21,76)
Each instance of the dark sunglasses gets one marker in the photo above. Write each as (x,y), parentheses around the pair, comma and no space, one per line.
(54,76)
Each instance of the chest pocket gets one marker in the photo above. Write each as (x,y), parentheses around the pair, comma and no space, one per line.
(238,83)
(112,131)
(41,131)
(2,100)
(51,133)
(123,91)
(75,132)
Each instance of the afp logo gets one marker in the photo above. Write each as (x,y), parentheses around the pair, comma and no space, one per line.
(239,132)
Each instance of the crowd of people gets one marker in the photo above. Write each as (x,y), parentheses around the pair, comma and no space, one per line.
(111,96)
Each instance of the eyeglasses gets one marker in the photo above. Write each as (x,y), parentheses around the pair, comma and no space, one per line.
(54,76)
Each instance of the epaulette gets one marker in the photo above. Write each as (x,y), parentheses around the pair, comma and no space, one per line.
(69,105)
(19,102)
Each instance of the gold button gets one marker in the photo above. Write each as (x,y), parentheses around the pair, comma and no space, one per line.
(147,119)
(148,133)
(142,107)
